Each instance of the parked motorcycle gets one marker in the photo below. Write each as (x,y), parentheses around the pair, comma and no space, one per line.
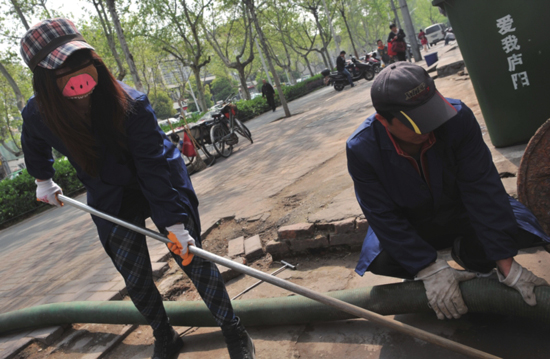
(357,69)
(375,63)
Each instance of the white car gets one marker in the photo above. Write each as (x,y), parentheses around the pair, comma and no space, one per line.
(435,33)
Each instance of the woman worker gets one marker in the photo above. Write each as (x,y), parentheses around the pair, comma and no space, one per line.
(130,169)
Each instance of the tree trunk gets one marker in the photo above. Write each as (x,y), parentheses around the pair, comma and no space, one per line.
(309,66)
(395,14)
(364,22)
(15,153)
(124,45)
(18,95)
(4,168)
(109,35)
(336,42)
(343,12)
(20,14)
(42,3)
(322,56)
(325,45)
(259,31)
(244,86)
(200,89)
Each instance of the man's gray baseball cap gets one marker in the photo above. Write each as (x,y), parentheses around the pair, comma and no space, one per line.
(408,92)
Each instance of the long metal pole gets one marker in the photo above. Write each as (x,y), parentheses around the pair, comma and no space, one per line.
(260,282)
(410,29)
(395,14)
(333,302)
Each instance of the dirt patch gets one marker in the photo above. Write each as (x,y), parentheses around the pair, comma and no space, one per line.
(309,194)
(34,351)
(226,229)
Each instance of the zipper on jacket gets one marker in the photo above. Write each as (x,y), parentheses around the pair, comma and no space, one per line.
(400,152)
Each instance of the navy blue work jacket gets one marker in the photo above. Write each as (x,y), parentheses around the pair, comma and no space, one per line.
(462,186)
(159,170)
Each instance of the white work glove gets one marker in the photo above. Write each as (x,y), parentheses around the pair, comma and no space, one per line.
(181,240)
(46,192)
(441,283)
(523,281)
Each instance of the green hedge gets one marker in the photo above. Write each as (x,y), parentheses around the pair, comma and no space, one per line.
(255,107)
(18,195)
(192,118)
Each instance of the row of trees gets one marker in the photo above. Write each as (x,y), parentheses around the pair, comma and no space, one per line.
(170,46)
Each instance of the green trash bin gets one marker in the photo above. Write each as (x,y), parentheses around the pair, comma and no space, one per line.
(506,50)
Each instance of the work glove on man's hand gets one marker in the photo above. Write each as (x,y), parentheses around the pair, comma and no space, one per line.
(181,239)
(523,281)
(46,192)
(442,290)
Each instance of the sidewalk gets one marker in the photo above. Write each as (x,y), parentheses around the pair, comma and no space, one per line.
(57,257)
(295,171)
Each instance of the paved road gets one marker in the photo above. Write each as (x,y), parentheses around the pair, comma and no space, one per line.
(56,256)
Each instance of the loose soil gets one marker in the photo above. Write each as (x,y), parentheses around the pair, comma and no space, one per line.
(309,194)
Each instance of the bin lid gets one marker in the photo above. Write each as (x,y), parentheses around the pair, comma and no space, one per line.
(533,176)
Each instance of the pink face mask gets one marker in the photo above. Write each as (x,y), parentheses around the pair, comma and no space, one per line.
(78,83)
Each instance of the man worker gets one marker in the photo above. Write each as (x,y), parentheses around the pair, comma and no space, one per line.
(425,181)
(268,92)
(341,67)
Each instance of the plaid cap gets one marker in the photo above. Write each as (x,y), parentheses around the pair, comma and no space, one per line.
(49,43)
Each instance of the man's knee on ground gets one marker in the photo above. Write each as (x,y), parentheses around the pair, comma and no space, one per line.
(385,265)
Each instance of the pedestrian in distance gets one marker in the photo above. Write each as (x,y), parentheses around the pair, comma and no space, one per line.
(383,52)
(131,170)
(397,44)
(425,181)
(268,92)
(423,40)
(341,67)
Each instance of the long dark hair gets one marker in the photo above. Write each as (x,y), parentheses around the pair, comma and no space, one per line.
(82,138)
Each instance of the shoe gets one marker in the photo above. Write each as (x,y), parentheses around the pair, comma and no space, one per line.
(352,85)
(273,110)
(239,343)
(168,343)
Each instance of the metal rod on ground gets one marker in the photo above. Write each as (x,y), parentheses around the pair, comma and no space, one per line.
(333,302)
(285,266)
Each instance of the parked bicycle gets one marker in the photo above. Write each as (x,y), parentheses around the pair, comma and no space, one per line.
(223,133)
(199,135)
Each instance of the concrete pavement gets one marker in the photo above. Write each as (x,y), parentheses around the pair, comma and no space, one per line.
(56,256)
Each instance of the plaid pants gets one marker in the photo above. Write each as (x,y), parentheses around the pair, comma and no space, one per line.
(128,251)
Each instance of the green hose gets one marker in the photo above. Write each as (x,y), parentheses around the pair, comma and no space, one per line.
(480,295)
